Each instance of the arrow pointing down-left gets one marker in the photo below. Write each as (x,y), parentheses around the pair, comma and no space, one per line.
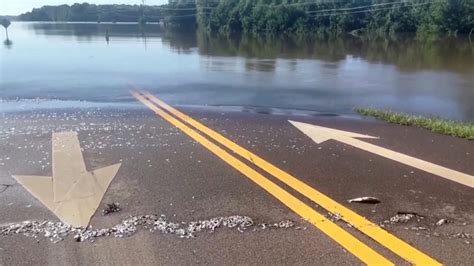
(72,193)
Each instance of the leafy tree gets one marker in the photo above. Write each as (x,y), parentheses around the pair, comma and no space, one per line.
(336,17)
(94,13)
(424,17)
(5,23)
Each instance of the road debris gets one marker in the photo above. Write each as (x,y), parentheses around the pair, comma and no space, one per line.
(111,208)
(367,200)
(403,217)
(335,217)
(442,221)
(423,226)
(418,228)
(4,187)
(281,225)
(463,235)
(58,231)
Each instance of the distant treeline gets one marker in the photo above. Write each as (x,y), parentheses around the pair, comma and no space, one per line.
(93,13)
(333,17)
(11,18)
(177,14)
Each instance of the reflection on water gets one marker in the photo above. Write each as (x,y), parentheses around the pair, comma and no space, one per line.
(8,43)
(72,61)
(88,31)
(407,54)
(107,36)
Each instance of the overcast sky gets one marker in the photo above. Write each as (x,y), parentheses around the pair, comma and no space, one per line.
(16,7)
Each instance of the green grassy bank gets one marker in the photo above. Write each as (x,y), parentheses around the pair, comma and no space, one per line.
(438,125)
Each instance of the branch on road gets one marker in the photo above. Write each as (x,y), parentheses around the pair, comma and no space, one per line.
(4,187)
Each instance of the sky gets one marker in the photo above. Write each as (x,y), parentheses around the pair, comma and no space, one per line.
(16,7)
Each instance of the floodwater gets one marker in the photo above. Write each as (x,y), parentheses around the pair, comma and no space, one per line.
(97,64)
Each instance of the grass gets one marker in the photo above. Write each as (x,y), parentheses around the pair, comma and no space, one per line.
(438,125)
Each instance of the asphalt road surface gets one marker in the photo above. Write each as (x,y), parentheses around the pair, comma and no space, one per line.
(221,163)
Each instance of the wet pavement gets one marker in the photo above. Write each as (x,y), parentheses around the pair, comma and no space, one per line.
(164,172)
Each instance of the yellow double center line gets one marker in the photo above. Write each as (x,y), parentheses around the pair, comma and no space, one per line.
(346,240)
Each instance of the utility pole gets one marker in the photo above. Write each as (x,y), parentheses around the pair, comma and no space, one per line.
(142,20)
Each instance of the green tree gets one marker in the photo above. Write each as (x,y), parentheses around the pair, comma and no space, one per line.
(93,13)
(337,17)
(6,23)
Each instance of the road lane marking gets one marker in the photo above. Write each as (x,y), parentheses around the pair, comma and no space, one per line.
(343,238)
(321,134)
(73,194)
(370,229)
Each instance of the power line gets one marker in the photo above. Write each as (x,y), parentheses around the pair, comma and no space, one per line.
(369,6)
(184,9)
(369,10)
(188,15)
(308,3)
(298,4)
(337,11)
(181,16)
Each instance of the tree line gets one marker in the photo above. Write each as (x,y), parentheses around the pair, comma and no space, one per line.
(334,17)
(175,15)
(321,17)
(93,13)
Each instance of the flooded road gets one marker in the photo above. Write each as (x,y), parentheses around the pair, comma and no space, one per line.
(97,64)
(173,132)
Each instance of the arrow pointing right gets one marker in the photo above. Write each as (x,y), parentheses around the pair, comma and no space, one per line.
(321,134)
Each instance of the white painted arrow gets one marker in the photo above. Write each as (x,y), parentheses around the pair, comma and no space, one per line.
(72,193)
(322,134)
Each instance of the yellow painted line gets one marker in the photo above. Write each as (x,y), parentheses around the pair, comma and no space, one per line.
(343,238)
(372,230)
